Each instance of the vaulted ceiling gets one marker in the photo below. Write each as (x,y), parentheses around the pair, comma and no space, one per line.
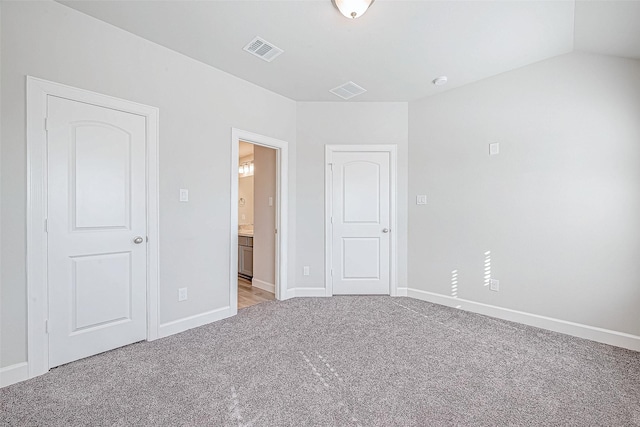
(394,51)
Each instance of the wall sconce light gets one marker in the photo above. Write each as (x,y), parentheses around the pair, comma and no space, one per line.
(246,169)
(352,9)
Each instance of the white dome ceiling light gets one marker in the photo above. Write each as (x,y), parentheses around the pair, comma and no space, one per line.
(352,9)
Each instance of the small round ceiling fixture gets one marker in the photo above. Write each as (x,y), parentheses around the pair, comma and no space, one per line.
(352,9)
(440,81)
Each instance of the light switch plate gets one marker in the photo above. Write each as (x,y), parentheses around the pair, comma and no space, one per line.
(494,149)
(270,201)
(305,270)
(421,199)
(182,294)
(495,285)
(184,195)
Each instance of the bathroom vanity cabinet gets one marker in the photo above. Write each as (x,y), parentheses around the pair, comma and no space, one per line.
(245,256)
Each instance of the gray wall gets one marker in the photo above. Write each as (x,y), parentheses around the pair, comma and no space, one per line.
(559,207)
(3,321)
(321,123)
(198,107)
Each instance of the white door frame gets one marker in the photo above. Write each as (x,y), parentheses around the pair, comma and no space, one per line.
(393,190)
(37,287)
(282,209)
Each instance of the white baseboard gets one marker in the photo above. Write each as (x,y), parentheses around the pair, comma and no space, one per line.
(14,373)
(265,286)
(191,322)
(306,292)
(606,336)
(288,294)
(322,292)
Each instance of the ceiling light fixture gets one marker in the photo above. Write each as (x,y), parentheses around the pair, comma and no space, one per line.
(352,8)
(440,81)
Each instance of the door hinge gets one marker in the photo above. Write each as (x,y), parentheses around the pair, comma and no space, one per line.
(46,326)
(332,272)
(276,231)
(46,123)
(46,225)
(330,165)
(331,220)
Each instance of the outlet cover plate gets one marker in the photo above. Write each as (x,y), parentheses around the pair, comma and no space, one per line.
(495,285)
(182,294)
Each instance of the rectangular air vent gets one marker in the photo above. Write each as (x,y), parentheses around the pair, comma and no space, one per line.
(263,49)
(347,90)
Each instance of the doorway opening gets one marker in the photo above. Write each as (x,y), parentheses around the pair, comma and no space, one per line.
(258,219)
(256,224)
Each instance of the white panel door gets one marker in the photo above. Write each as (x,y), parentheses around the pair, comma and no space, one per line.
(96,210)
(360,208)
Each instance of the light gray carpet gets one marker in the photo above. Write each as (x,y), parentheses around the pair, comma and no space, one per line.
(342,361)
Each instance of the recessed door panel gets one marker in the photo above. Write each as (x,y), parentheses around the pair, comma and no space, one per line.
(361,192)
(101,176)
(361,258)
(97,269)
(101,288)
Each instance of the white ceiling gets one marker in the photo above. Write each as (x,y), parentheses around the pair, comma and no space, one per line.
(393,51)
(608,27)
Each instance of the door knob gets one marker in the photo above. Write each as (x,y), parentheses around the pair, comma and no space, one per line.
(137,240)
(385,230)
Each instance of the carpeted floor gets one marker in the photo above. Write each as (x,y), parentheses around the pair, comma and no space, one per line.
(341,361)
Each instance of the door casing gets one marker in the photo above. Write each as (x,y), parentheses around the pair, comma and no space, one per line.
(282,209)
(393,190)
(37,287)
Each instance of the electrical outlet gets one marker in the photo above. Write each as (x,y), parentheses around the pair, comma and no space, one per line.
(494,149)
(184,195)
(495,285)
(182,294)
(421,199)
(305,270)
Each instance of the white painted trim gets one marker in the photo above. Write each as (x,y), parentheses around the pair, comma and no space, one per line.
(606,336)
(392,149)
(401,292)
(153,225)
(37,295)
(307,292)
(14,374)
(328,228)
(282,209)
(181,325)
(265,286)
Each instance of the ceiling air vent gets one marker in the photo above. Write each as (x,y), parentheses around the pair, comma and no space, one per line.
(263,49)
(347,90)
